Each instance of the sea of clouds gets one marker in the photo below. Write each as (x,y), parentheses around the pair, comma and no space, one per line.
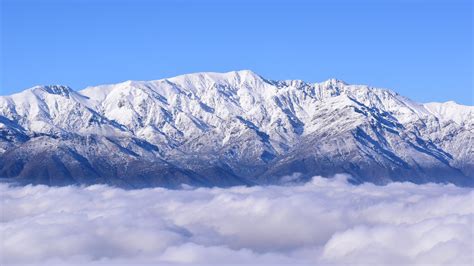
(325,221)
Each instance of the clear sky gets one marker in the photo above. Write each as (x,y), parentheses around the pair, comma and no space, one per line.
(421,49)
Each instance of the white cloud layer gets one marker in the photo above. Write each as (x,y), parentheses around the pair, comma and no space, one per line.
(326,221)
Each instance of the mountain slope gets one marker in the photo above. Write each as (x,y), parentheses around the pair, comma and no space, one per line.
(230,128)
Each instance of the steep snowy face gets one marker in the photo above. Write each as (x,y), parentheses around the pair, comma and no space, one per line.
(238,125)
(451,111)
(54,110)
(190,105)
(176,109)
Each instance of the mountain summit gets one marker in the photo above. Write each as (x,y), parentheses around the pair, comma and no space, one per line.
(222,129)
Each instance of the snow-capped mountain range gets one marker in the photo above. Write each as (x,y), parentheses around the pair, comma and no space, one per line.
(230,128)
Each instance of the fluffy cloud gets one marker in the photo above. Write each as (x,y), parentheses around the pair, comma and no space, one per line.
(325,221)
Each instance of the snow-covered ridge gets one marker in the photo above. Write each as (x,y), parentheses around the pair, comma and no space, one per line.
(198,83)
(240,121)
(451,111)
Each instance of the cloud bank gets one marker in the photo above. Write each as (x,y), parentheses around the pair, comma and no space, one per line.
(323,222)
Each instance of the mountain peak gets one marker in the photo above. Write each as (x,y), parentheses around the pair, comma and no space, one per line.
(334,82)
(236,73)
(451,111)
(57,89)
(245,73)
(52,89)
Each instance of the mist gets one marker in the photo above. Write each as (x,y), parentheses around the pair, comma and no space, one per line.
(325,221)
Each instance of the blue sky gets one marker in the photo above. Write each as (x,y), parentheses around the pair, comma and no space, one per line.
(421,49)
